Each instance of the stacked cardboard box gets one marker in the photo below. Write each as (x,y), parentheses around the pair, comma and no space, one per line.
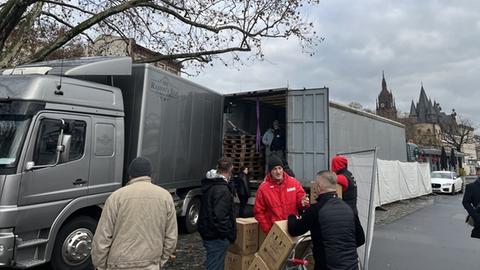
(276,248)
(238,262)
(242,252)
(258,264)
(261,237)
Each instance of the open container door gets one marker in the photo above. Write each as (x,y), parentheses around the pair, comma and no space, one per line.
(307,132)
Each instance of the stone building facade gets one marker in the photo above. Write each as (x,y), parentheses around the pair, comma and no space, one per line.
(117,46)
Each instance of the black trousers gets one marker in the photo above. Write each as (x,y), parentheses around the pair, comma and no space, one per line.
(243,206)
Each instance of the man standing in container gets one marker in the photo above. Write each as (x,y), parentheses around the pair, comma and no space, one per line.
(279,196)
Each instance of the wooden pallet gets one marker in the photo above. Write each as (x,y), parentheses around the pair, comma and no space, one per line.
(239,148)
(243,155)
(236,136)
(247,140)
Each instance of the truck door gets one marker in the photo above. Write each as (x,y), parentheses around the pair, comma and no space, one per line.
(307,132)
(53,178)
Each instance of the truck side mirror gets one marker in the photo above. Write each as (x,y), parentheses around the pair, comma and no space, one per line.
(65,148)
(29,166)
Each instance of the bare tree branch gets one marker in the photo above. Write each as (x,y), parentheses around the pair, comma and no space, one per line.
(69,6)
(192,31)
(19,39)
(61,40)
(195,54)
(456,133)
(10,16)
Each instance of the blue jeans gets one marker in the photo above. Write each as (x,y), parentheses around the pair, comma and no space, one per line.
(216,251)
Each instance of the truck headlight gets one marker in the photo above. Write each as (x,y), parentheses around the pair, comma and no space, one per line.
(2,250)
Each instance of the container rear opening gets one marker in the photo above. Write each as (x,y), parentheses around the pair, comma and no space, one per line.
(240,127)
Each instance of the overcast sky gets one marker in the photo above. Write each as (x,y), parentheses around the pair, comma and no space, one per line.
(437,42)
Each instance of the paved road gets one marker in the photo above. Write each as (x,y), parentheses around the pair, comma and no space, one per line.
(434,237)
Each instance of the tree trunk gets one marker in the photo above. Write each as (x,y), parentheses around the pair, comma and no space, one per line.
(10,16)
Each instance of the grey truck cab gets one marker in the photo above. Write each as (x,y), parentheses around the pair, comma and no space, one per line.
(69,128)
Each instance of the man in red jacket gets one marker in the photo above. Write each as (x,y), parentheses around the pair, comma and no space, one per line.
(279,196)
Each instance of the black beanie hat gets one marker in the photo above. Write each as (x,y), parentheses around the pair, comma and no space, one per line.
(140,166)
(273,162)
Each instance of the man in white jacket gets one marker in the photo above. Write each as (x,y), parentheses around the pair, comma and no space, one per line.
(138,226)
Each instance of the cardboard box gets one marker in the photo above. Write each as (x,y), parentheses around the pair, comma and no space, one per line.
(247,237)
(258,264)
(238,262)
(277,246)
(261,237)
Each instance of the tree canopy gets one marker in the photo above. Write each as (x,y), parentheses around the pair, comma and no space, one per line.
(187,30)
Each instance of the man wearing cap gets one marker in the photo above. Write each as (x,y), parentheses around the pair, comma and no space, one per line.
(279,196)
(138,226)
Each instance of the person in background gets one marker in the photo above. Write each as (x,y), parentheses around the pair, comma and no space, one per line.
(279,142)
(242,189)
(335,230)
(471,203)
(267,139)
(138,225)
(279,196)
(346,180)
(216,223)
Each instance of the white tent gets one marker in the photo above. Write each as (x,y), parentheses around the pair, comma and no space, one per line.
(401,180)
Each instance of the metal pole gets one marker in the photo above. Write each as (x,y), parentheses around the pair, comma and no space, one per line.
(358,152)
(371,211)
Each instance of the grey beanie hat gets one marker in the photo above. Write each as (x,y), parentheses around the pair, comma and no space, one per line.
(140,166)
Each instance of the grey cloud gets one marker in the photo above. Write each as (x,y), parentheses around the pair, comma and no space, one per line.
(431,41)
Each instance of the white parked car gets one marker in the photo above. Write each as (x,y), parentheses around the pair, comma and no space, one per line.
(446,182)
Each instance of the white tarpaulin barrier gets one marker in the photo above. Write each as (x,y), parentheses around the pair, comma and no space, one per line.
(362,166)
(401,180)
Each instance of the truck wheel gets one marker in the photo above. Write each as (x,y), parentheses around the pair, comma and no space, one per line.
(190,220)
(73,245)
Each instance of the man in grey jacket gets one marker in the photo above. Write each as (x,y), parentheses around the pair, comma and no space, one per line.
(138,226)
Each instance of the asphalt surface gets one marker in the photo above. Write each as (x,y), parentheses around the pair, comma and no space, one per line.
(434,237)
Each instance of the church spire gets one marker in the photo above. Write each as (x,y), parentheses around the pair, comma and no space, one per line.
(413,110)
(384,83)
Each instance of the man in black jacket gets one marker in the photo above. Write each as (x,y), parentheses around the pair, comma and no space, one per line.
(471,203)
(333,225)
(216,223)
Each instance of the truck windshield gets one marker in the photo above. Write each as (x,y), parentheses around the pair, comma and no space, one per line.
(12,133)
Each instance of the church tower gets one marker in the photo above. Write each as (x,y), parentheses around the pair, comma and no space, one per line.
(385,102)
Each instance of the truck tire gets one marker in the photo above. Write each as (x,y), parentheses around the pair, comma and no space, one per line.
(73,245)
(190,220)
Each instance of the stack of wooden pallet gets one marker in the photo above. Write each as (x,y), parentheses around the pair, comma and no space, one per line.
(241,149)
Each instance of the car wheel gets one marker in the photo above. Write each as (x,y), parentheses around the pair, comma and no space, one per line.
(73,245)
(453,190)
(190,220)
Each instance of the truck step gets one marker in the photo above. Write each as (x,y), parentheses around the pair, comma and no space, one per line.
(31,243)
(29,263)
